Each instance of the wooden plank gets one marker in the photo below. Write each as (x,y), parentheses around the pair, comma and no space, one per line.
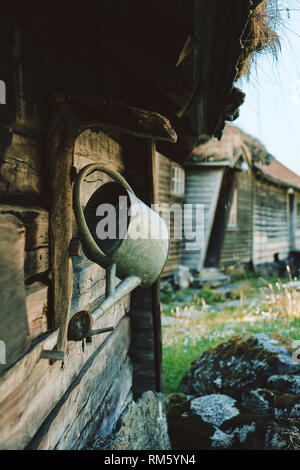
(36,222)
(105,417)
(88,285)
(36,262)
(96,111)
(20,167)
(13,316)
(32,388)
(36,304)
(108,365)
(202,187)
(61,140)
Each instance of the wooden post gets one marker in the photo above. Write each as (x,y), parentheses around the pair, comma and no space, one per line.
(60,145)
(155,288)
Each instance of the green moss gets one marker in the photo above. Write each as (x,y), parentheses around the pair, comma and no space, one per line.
(286,401)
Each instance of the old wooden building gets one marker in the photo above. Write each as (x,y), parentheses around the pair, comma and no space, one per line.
(250,203)
(110,85)
(170,194)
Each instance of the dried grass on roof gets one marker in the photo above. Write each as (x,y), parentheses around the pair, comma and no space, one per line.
(260,34)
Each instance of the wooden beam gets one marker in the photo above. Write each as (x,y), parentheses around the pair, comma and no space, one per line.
(60,145)
(95,112)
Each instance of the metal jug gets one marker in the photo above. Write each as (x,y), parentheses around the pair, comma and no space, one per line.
(136,252)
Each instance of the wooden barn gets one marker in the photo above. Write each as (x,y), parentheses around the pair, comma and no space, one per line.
(109,85)
(250,203)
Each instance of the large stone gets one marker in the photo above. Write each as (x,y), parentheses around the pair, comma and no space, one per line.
(214,409)
(142,426)
(240,363)
(215,421)
(187,430)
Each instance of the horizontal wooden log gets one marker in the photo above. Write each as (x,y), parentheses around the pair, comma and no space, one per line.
(95,111)
(20,167)
(36,304)
(78,407)
(117,398)
(36,222)
(88,284)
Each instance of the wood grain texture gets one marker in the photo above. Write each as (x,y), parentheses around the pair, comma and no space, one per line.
(36,304)
(20,167)
(13,317)
(96,111)
(32,387)
(61,140)
(74,416)
(36,223)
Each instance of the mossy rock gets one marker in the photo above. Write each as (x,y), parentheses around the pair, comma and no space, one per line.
(187,431)
(240,363)
(212,422)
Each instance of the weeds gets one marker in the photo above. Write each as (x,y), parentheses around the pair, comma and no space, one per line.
(274,307)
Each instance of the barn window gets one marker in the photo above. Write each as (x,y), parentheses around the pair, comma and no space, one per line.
(2,92)
(232,222)
(177,181)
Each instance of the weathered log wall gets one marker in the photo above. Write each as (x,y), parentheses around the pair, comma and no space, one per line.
(59,406)
(43,405)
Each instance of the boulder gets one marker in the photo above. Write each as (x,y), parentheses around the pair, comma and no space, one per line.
(142,426)
(241,363)
(214,421)
(187,430)
(214,409)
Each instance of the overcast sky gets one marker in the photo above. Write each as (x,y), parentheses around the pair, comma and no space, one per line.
(271,111)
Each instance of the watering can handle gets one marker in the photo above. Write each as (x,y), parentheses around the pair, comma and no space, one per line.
(79,215)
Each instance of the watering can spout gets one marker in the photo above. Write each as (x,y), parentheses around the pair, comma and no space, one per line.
(81,325)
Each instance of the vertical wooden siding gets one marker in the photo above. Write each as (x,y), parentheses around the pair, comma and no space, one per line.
(297,220)
(237,243)
(271,223)
(164,171)
(202,187)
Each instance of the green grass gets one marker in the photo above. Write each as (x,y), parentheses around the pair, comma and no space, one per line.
(277,311)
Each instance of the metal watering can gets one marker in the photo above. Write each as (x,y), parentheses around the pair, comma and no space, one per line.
(135,250)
